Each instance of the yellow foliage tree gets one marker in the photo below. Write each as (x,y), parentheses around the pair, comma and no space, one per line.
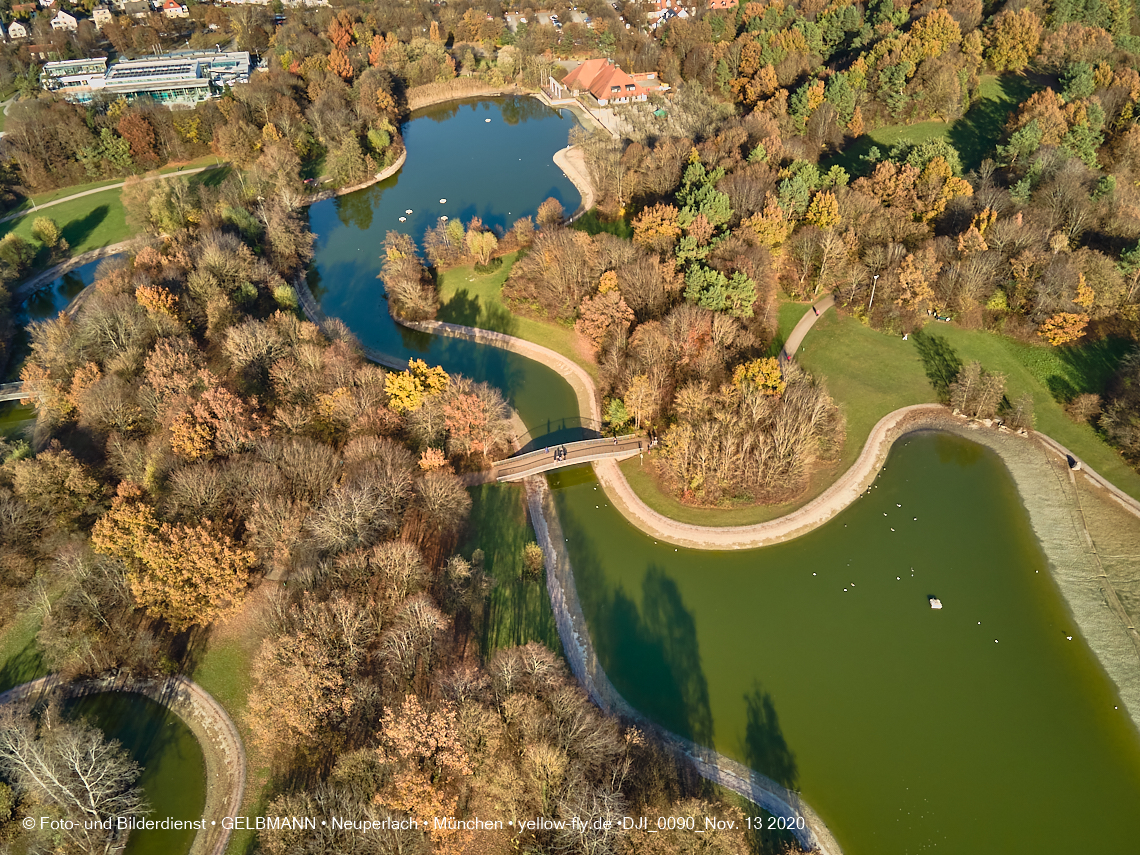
(1063,328)
(824,210)
(764,374)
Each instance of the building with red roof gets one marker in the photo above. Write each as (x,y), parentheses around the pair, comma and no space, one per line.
(605,81)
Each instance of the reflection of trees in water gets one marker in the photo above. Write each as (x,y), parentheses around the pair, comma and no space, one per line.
(652,654)
(518,110)
(765,748)
(355,209)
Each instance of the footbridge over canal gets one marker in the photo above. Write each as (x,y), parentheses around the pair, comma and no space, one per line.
(544,459)
(11,391)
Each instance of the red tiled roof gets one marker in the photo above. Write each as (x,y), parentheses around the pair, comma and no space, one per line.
(600,76)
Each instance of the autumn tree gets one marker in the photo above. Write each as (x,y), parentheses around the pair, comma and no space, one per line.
(69,769)
(656,228)
(188,575)
(1063,328)
(1014,39)
(411,294)
(46,231)
(606,311)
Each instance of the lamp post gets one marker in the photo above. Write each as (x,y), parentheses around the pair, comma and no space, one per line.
(871,302)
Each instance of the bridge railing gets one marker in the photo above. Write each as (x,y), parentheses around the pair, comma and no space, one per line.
(559,431)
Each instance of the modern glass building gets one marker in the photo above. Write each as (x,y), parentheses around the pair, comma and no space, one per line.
(182,78)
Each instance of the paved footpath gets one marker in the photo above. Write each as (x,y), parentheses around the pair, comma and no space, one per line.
(25,212)
(221,744)
(812,515)
(792,345)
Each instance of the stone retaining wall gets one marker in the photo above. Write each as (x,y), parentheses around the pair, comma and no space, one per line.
(221,745)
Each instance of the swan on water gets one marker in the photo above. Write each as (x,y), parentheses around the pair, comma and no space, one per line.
(408,211)
(443,201)
(403,219)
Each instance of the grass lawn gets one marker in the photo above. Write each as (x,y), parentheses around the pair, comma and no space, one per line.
(225,669)
(60,193)
(475,300)
(517,609)
(87,223)
(90,222)
(974,135)
(870,373)
(20,656)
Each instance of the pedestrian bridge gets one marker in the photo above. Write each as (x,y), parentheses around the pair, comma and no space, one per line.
(534,462)
(11,391)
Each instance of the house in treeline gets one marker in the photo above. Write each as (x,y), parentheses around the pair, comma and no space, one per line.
(606,82)
(64,21)
(174,9)
(101,15)
(16,30)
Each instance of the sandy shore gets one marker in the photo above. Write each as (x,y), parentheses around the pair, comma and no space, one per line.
(572,162)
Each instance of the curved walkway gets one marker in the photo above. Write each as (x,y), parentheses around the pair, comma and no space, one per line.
(812,515)
(792,345)
(37,208)
(221,745)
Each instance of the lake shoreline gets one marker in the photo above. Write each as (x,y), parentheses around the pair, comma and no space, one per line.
(1034,462)
(214,730)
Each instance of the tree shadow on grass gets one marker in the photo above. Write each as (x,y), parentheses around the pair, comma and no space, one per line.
(1093,364)
(976,134)
(77,231)
(940,361)
(23,665)
(765,748)
(467,310)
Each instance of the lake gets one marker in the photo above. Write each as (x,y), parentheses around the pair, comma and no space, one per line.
(980,727)
(174,772)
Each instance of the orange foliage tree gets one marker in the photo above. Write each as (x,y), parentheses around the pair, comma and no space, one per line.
(1063,328)
(188,575)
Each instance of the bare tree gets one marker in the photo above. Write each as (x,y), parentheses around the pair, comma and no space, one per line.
(72,767)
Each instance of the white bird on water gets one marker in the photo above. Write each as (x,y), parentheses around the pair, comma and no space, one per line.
(443,201)
(403,219)
(408,211)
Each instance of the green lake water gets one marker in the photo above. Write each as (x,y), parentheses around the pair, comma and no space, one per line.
(174,771)
(499,170)
(819,662)
(978,728)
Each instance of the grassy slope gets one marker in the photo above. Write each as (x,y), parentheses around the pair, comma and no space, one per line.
(974,135)
(476,301)
(52,195)
(870,374)
(518,609)
(225,670)
(89,222)
(20,657)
